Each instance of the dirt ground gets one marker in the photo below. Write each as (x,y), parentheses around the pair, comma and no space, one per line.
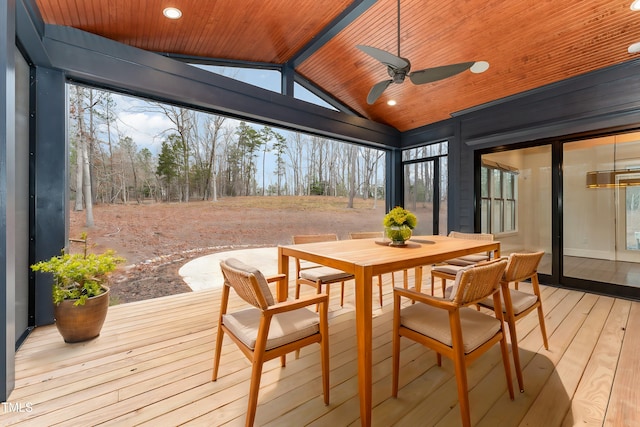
(156,239)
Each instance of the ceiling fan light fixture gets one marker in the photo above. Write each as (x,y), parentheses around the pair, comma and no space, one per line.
(480,66)
(635,6)
(391,102)
(172,12)
(634,48)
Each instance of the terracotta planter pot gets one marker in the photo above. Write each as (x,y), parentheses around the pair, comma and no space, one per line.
(83,322)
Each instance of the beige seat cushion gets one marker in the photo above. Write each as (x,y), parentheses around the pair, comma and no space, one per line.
(325,274)
(449,268)
(477,327)
(459,262)
(468,259)
(285,327)
(262,281)
(520,300)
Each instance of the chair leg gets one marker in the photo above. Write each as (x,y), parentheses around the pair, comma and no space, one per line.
(380,288)
(324,352)
(463,392)
(515,350)
(341,294)
(510,318)
(507,367)
(257,360)
(543,328)
(395,345)
(432,282)
(254,388)
(218,352)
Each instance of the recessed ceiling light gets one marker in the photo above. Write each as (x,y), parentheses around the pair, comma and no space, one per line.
(391,102)
(635,5)
(634,48)
(172,13)
(479,67)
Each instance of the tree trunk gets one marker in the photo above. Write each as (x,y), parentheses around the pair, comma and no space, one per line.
(86,187)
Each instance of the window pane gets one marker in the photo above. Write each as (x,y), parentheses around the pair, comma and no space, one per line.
(496,185)
(485,205)
(510,216)
(300,92)
(266,79)
(418,194)
(509,180)
(496,221)
(427,151)
(484,182)
(444,192)
(633,218)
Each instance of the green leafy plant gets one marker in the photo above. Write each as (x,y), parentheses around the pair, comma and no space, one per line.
(399,216)
(79,276)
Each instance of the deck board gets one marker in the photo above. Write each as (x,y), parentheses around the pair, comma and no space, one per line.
(625,394)
(152,365)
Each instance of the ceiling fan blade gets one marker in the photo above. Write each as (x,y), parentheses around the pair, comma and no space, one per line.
(377,90)
(438,73)
(385,57)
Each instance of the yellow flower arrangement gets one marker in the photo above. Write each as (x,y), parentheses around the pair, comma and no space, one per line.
(398,225)
(399,216)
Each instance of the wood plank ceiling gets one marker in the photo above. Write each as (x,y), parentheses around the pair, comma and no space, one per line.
(527,44)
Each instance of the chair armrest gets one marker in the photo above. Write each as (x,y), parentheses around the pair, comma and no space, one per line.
(297,303)
(425,299)
(276,278)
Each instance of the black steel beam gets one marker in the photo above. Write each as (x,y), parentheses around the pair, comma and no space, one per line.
(92,59)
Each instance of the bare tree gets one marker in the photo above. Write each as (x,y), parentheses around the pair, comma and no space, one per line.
(353,164)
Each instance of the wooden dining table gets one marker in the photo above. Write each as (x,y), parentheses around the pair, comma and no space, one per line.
(365,259)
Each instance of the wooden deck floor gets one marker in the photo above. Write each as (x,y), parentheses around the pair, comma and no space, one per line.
(152,366)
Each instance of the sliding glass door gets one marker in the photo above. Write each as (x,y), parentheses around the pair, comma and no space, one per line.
(516,199)
(592,241)
(425,187)
(601,227)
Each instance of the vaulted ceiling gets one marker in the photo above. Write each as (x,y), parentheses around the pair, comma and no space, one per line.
(528,44)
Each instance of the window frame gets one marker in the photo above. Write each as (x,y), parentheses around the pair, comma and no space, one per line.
(498,207)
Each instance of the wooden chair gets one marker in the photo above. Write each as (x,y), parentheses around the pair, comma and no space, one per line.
(517,304)
(269,329)
(449,268)
(315,275)
(451,328)
(374,235)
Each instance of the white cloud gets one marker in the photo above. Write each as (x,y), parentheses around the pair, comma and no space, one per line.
(147,129)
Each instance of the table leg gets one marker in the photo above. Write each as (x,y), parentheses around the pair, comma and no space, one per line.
(363,279)
(282,291)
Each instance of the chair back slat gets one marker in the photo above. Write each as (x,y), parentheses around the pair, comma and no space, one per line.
(521,266)
(479,282)
(314,238)
(366,235)
(471,236)
(249,283)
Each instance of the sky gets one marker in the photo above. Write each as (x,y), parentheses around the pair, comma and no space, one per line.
(149,128)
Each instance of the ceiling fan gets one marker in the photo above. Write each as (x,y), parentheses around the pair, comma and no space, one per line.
(399,68)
